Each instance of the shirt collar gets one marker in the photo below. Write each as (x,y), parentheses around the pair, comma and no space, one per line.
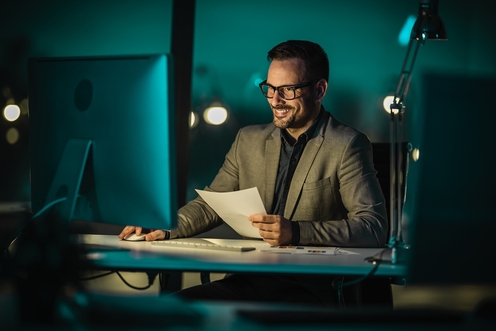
(307,135)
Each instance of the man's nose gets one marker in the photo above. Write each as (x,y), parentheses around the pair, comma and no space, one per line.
(276,99)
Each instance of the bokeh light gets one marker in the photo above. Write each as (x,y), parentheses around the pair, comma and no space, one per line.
(12,136)
(11,112)
(406,30)
(193,120)
(415,154)
(215,115)
(387,103)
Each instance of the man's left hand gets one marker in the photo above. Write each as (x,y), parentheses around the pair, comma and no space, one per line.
(274,229)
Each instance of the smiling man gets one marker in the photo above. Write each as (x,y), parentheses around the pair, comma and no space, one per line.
(315,176)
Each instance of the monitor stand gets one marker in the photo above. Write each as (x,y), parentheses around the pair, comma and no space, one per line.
(56,261)
(67,179)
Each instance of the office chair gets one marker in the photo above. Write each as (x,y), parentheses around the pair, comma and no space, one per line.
(377,291)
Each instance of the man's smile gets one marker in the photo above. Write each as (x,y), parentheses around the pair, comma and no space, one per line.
(281,112)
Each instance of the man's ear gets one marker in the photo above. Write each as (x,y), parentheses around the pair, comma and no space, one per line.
(321,89)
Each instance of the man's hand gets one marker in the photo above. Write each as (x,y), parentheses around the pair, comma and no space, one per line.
(274,229)
(151,236)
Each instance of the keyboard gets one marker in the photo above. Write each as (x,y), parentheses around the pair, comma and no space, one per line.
(199,243)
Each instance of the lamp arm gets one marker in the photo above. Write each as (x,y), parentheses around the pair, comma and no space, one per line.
(406,71)
(396,152)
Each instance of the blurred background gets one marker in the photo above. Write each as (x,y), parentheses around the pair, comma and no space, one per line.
(365,41)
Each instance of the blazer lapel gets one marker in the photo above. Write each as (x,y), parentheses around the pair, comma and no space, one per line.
(303,167)
(272,155)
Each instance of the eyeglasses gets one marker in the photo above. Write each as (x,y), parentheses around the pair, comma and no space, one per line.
(287,92)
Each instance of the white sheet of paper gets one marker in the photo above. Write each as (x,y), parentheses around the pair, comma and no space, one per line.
(235,207)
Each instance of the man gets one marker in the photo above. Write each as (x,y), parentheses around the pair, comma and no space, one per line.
(315,176)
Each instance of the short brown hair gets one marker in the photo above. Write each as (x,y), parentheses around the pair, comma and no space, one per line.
(317,63)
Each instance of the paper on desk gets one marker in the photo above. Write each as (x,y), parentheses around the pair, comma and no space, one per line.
(314,250)
(235,207)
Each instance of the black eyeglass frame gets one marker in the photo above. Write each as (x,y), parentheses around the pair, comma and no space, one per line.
(293,88)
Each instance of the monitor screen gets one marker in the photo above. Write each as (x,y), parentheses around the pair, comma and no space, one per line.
(449,206)
(102,139)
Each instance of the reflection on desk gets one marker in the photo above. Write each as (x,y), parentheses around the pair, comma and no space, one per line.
(142,256)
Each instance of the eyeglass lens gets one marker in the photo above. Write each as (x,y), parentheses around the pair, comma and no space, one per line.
(287,93)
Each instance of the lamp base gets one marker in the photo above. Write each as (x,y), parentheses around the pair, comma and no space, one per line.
(393,255)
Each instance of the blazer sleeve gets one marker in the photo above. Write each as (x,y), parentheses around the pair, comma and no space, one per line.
(348,208)
(197,216)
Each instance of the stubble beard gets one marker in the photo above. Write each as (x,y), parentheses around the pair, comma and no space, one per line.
(286,121)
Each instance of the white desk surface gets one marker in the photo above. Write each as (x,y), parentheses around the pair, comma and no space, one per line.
(143,255)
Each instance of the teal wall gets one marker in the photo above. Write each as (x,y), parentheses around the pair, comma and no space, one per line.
(231,42)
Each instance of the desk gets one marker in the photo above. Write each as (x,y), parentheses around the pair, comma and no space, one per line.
(139,256)
(142,256)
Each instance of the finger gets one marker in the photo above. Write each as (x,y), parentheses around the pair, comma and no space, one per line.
(266,234)
(261,225)
(155,235)
(271,242)
(258,218)
(253,218)
(262,218)
(138,230)
(127,230)
(256,225)
(266,227)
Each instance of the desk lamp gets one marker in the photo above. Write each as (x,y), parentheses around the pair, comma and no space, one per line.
(428,26)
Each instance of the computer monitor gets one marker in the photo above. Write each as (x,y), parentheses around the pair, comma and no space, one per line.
(449,210)
(102,139)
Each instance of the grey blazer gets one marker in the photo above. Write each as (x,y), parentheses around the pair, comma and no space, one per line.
(334,196)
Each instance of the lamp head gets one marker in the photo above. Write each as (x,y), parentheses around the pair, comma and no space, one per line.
(429,25)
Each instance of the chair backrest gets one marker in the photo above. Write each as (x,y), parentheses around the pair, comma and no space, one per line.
(381,153)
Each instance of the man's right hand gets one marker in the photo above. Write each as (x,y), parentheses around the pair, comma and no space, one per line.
(151,236)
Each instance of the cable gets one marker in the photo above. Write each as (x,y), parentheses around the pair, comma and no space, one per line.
(356,281)
(49,205)
(151,279)
(405,189)
(96,276)
(5,252)
(338,283)
(46,208)
(150,282)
